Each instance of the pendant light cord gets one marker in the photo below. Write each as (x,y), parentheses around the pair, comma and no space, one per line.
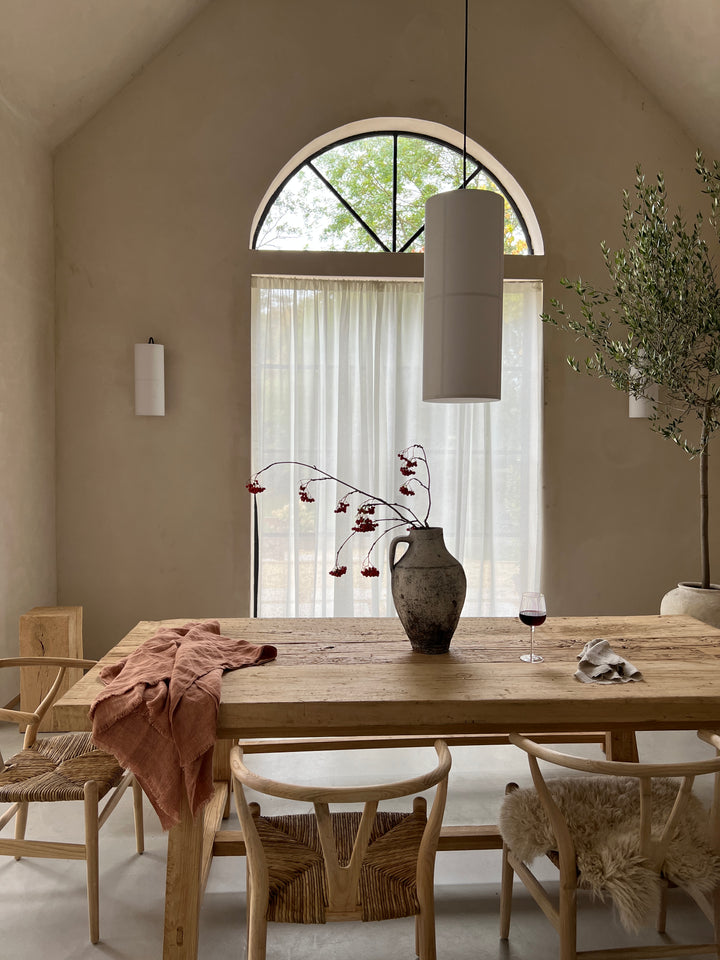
(465,98)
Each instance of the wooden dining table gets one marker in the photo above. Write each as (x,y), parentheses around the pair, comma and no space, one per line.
(337,678)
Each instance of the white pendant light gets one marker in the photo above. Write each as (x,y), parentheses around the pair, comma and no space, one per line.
(464,240)
(462,326)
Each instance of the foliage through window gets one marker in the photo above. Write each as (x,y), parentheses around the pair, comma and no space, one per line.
(368,193)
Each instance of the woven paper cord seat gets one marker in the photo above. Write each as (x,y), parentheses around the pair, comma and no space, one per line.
(61,768)
(298,885)
(329,866)
(56,769)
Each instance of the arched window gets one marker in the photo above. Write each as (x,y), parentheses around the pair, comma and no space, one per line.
(368,192)
(337,365)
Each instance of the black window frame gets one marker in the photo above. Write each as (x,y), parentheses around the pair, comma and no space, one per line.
(395,134)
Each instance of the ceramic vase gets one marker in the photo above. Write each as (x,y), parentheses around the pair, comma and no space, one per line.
(691,599)
(428,588)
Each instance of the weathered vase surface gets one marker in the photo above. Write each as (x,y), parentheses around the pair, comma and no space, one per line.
(428,588)
(690,598)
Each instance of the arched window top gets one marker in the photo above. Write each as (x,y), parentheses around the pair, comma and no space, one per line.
(364,187)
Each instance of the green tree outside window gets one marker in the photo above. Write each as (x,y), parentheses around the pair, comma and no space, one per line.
(369,194)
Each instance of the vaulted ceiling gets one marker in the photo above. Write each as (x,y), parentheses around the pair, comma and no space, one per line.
(673,48)
(61,60)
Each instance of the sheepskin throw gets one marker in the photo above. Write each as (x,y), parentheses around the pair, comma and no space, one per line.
(603,815)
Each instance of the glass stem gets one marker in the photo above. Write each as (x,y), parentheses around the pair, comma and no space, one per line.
(532,643)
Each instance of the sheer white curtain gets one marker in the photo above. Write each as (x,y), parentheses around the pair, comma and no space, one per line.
(336,381)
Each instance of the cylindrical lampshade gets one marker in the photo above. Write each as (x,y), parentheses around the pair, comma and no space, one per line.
(642,407)
(150,379)
(462,343)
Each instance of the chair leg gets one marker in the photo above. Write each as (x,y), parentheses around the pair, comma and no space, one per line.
(91,857)
(568,918)
(425,947)
(507,876)
(248,900)
(662,908)
(21,822)
(138,814)
(256,926)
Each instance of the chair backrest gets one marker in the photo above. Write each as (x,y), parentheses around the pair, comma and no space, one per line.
(652,848)
(34,718)
(342,880)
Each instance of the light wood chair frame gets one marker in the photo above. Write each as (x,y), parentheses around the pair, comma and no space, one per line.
(342,881)
(95,818)
(562,913)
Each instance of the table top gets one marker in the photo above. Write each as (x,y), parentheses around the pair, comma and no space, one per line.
(344,677)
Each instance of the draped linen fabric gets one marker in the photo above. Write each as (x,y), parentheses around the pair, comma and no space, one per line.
(337,382)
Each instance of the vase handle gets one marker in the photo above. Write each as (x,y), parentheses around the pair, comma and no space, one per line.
(393,544)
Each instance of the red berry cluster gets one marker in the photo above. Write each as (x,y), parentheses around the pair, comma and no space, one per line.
(364,524)
(363,521)
(304,495)
(409,465)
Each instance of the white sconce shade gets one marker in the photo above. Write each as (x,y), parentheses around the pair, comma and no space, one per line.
(640,408)
(150,379)
(462,339)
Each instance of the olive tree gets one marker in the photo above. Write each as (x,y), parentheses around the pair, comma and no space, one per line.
(657,322)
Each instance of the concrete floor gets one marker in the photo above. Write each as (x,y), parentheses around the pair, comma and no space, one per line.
(43,906)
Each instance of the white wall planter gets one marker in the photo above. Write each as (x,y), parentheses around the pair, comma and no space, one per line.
(691,599)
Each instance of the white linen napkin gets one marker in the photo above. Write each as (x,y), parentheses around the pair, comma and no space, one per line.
(600,664)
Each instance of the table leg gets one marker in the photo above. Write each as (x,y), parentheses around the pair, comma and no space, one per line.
(221,769)
(182,887)
(621,745)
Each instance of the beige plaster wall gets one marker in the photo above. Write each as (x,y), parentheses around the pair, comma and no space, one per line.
(154,201)
(27,384)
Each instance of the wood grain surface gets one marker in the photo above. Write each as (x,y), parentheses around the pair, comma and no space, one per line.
(343,677)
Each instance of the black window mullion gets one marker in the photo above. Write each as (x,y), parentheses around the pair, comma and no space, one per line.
(394,193)
(478,170)
(412,239)
(347,206)
(521,220)
(356,216)
(506,196)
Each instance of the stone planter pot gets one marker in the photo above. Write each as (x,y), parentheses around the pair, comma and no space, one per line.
(691,599)
(428,588)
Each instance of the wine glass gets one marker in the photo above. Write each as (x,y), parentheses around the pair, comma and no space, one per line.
(532,614)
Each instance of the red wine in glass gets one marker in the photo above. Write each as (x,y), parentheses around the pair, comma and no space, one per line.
(532,614)
(532,618)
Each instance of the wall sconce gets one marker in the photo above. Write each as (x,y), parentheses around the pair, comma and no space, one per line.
(150,379)
(642,407)
(462,319)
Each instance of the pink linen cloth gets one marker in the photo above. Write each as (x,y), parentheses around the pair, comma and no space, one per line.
(158,712)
